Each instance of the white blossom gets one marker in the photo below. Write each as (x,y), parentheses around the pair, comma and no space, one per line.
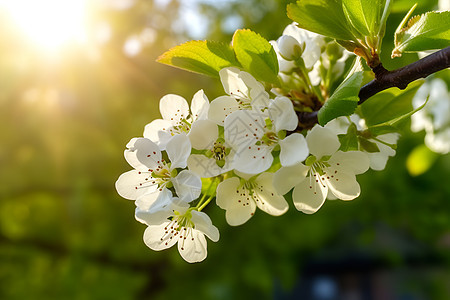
(326,170)
(176,117)
(240,196)
(384,142)
(152,174)
(217,155)
(434,118)
(177,223)
(244,92)
(254,135)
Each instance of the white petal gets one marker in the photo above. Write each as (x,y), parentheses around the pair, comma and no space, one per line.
(282,114)
(221,107)
(293,149)
(192,245)
(178,149)
(143,154)
(173,108)
(322,141)
(244,128)
(253,160)
(200,106)
(146,201)
(158,237)
(203,134)
(355,162)
(187,185)
(133,184)
(267,199)
(203,223)
(309,195)
(203,166)
(344,186)
(378,160)
(287,177)
(159,131)
(154,208)
(236,201)
(233,83)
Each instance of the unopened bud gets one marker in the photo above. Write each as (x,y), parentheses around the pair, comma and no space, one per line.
(290,48)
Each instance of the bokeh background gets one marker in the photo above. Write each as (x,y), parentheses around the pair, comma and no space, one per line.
(79,79)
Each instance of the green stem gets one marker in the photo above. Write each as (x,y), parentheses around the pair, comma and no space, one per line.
(206,203)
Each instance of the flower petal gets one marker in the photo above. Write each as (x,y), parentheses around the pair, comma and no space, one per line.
(203,166)
(159,237)
(344,186)
(221,107)
(203,134)
(133,184)
(178,149)
(253,160)
(287,177)
(143,154)
(159,131)
(267,199)
(355,162)
(293,149)
(244,128)
(188,185)
(282,114)
(322,141)
(203,223)
(192,245)
(200,106)
(236,201)
(233,84)
(309,195)
(173,108)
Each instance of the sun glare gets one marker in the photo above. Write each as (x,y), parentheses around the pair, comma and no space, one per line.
(49,24)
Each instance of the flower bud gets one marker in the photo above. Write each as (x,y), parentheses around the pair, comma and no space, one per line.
(290,48)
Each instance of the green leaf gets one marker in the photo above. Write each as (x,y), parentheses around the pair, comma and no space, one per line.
(364,15)
(428,31)
(420,160)
(349,141)
(395,124)
(389,104)
(204,57)
(256,55)
(325,17)
(345,98)
(368,146)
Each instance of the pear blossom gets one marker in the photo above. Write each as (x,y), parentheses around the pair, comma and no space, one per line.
(384,142)
(152,174)
(434,117)
(176,117)
(217,155)
(240,196)
(244,92)
(325,170)
(254,135)
(176,222)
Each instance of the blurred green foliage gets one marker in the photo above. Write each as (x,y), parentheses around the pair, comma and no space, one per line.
(66,234)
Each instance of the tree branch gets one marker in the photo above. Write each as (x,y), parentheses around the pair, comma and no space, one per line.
(399,78)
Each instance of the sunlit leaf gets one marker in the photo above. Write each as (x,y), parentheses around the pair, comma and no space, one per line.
(349,140)
(256,55)
(204,57)
(344,100)
(325,17)
(428,31)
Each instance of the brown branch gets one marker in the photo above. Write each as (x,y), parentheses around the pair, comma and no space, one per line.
(399,78)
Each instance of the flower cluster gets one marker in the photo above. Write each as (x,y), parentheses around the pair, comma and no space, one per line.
(246,150)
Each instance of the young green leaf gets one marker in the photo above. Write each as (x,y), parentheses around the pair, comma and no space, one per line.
(345,98)
(325,17)
(256,55)
(349,140)
(425,32)
(389,104)
(204,57)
